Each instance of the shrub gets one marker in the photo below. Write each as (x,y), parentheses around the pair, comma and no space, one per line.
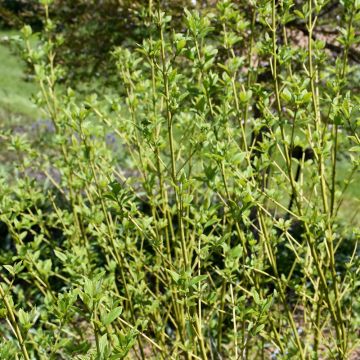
(16,13)
(195,214)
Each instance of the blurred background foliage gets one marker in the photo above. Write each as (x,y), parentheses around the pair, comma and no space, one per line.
(90,29)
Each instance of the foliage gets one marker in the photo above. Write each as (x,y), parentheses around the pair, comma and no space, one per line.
(89,30)
(14,13)
(195,213)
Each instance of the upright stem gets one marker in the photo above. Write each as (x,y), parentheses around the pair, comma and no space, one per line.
(14,324)
(169,118)
(175,185)
(337,315)
(274,63)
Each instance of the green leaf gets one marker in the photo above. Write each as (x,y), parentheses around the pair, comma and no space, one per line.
(175,276)
(245,96)
(111,316)
(256,297)
(60,255)
(306,96)
(286,95)
(355,149)
(299,14)
(18,267)
(236,252)
(259,328)
(103,346)
(10,269)
(197,279)
(26,31)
